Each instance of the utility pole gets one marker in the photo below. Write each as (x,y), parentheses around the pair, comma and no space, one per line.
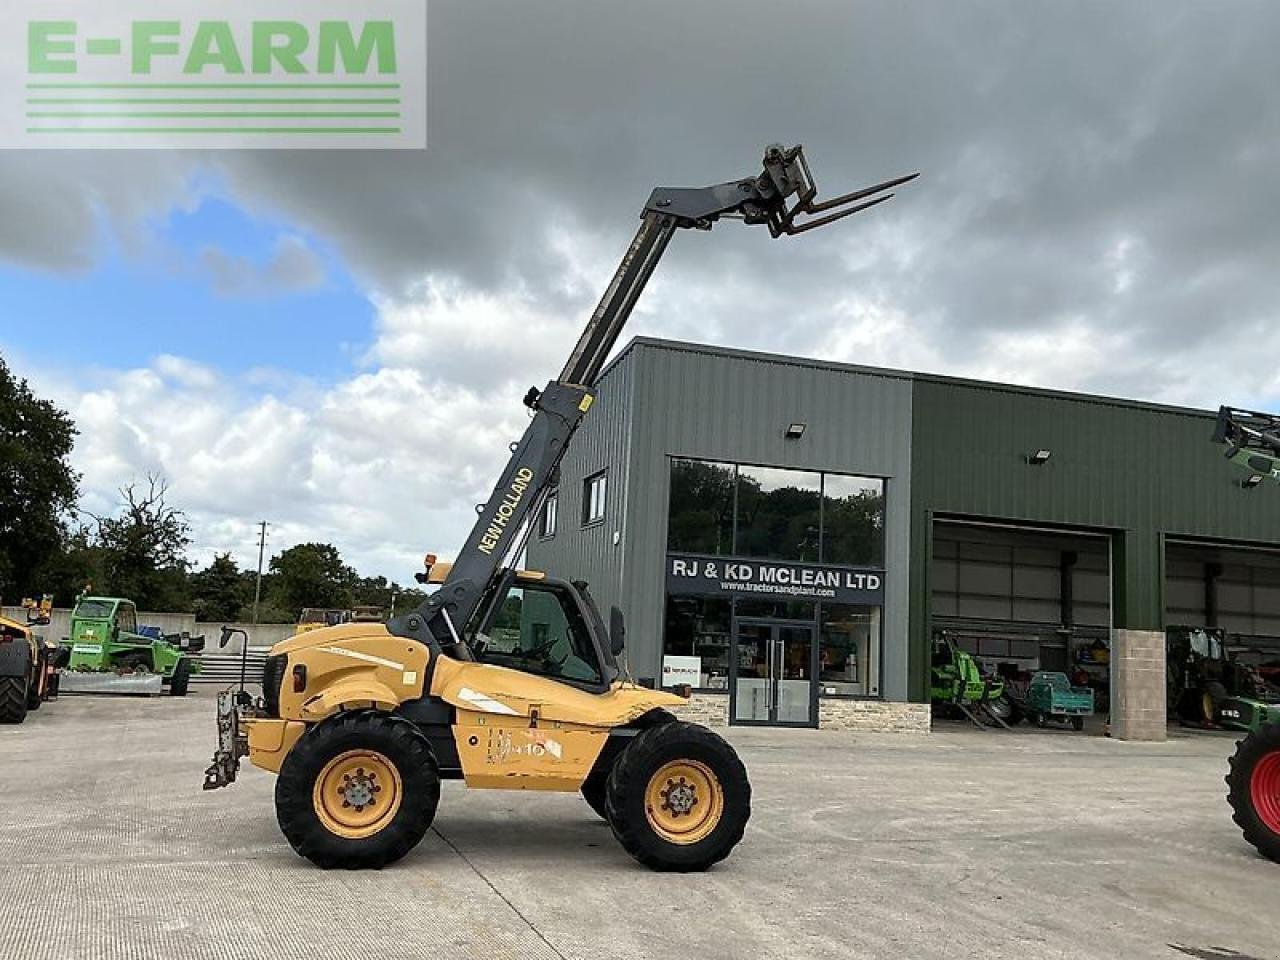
(257,590)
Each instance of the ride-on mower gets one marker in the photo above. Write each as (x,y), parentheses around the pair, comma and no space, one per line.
(505,678)
(1253,779)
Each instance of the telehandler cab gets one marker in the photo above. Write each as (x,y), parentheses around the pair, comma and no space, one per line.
(508,678)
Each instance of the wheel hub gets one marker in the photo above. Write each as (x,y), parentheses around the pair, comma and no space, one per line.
(684,801)
(679,797)
(359,790)
(357,794)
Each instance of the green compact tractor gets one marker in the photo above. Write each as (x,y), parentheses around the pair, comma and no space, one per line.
(110,654)
(958,686)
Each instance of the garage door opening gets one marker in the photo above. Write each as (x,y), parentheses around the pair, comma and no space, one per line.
(1222,617)
(1022,601)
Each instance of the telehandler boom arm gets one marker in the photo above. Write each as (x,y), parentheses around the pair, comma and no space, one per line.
(783,197)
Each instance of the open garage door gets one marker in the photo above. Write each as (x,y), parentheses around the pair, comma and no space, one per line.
(1232,590)
(1023,599)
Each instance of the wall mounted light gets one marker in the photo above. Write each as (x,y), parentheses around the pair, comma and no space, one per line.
(1039,458)
(795,431)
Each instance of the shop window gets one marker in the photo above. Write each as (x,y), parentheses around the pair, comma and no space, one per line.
(547,521)
(697,628)
(540,630)
(594,492)
(700,517)
(778,514)
(849,651)
(853,520)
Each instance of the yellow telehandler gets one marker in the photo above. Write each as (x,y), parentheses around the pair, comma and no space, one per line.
(509,679)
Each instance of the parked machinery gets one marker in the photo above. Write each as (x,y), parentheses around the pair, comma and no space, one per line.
(109,654)
(509,679)
(29,665)
(1253,780)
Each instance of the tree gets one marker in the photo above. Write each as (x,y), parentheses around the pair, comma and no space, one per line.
(38,488)
(310,575)
(143,550)
(221,590)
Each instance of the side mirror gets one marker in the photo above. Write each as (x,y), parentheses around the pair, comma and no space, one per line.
(225,637)
(617,632)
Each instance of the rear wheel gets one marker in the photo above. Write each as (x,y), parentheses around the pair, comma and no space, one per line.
(1253,789)
(181,679)
(13,699)
(1077,724)
(358,790)
(678,798)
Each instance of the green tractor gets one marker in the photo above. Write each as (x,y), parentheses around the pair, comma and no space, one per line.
(110,654)
(957,685)
(1252,440)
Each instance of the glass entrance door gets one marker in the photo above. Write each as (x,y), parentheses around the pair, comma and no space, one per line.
(773,670)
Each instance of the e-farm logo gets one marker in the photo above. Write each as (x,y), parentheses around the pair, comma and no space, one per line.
(214,74)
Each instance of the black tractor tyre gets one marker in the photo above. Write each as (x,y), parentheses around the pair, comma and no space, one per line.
(595,787)
(637,773)
(181,679)
(1253,789)
(13,699)
(395,740)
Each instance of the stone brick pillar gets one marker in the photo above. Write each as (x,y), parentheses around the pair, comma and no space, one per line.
(1137,685)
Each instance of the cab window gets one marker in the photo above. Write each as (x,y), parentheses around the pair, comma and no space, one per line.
(539,630)
(127,619)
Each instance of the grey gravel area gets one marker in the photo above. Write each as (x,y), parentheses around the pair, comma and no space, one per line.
(965,844)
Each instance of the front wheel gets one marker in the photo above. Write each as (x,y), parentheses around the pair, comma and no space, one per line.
(678,798)
(358,791)
(1253,789)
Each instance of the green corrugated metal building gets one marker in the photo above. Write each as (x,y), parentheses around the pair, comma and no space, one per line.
(717,495)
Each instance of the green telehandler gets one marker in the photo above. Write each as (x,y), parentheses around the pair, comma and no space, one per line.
(1253,780)
(111,654)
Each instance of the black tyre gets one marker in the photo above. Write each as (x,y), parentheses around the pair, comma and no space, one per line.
(1253,789)
(1017,713)
(595,787)
(181,679)
(358,790)
(13,699)
(1077,724)
(34,698)
(678,798)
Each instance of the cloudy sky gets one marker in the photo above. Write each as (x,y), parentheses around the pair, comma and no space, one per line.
(337,342)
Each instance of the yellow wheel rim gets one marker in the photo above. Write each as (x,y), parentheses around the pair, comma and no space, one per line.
(357,794)
(684,801)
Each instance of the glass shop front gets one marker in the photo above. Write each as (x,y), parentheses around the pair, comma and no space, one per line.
(774,588)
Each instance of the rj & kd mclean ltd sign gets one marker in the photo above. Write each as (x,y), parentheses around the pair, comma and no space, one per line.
(734,576)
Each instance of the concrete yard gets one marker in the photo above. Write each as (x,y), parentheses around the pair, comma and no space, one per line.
(966,844)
